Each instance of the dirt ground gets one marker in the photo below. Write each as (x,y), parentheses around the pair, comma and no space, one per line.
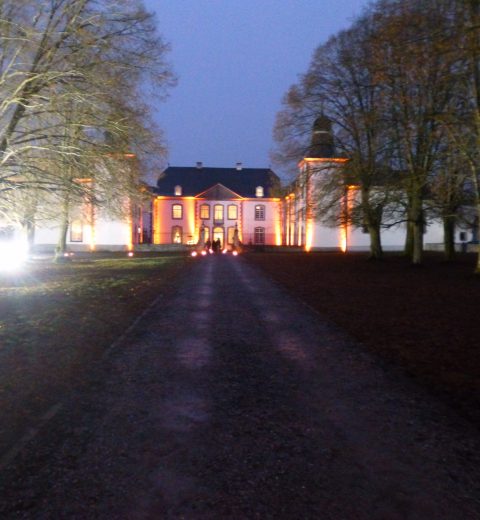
(231,400)
(424,319)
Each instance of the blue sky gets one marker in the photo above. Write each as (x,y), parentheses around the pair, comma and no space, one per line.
(234,60)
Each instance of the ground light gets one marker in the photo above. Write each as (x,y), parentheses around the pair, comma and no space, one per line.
(194,253)
(13,254)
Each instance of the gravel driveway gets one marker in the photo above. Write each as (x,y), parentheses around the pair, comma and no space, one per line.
(233,400)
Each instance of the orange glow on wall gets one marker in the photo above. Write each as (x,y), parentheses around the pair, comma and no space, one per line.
(91,238)
(191,230)
(343,239)
(278,228)
(156,222)
(308,235)
(347,208)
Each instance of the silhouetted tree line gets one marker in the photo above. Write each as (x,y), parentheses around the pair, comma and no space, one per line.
(402,88)
(74,75)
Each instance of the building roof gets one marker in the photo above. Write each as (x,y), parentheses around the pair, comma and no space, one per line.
(196,180)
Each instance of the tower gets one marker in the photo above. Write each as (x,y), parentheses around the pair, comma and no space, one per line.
(321,145)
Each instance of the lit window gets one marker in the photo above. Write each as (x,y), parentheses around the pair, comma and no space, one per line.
(232,212)
(76,231)
(218,213)
(259,237)
(178,190)
(177,211)
(259,191)
(204,211)
(218,235)
(176,234)
(259,212)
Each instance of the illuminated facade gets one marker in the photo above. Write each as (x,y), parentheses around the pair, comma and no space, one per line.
(303,225)
(200,204)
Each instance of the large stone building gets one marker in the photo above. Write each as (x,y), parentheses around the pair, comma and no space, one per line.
(190,205)
(190,202)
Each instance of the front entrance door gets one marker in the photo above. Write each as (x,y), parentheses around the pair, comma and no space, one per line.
(219,233)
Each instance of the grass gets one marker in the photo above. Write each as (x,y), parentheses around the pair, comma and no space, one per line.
(55,319)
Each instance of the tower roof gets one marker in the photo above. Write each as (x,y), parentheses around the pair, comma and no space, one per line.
(321,144)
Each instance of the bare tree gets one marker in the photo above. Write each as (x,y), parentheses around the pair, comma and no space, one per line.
(72,72)
(418,89)
(343,82)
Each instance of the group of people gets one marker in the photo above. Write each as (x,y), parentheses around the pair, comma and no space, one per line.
(214,245)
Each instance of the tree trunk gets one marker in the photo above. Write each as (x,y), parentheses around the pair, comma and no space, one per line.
(477,268)
(418,225)
(376,252)
(29,228)
(408,251)
(449,236)
(372,217)
(61,247)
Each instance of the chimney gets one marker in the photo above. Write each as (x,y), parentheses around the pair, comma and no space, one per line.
(239,166)
(199,165)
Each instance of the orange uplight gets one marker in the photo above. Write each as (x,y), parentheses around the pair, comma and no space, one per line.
(90,236)
(343,239)
(278,233)
(308,235)
(348,205)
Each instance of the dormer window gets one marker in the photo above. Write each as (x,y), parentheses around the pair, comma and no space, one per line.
(178,191)
(259,191)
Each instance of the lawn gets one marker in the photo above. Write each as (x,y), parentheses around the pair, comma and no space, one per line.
(424,319)
(56,319)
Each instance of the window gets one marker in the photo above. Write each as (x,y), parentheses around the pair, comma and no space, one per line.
(259,237)
(204,211)
(177,211)
(259,212)
(176,235)
(218,213)
(76,231)
(232,212)
(177,190)
(259,191)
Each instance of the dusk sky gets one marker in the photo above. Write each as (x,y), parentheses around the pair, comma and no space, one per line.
(234,60)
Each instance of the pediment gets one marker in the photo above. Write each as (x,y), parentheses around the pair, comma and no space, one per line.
(218,192)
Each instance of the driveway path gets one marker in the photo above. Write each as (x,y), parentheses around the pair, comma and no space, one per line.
(233,400)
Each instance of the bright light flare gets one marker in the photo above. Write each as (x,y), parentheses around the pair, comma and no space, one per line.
(224,252)
(13,255)
(204,253)
(130,254)
(193,253)
(234,253)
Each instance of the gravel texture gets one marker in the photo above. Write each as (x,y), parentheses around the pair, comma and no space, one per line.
(233,400)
